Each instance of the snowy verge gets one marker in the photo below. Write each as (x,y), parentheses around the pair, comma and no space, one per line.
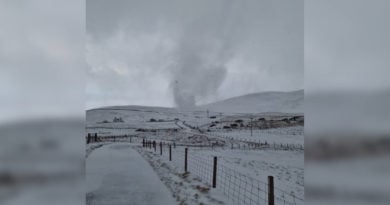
(91,147)
(186,188)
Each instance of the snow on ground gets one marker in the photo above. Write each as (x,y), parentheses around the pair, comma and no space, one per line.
(288,135)
(186,188)
(92,146)
(261,102)
(287,167)
(189,128)
(117,174)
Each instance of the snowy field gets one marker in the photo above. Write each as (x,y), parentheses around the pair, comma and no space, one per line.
(289,135)
(243,143)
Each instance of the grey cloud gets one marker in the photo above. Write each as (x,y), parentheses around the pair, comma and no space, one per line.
(199,44)
(347,45)
(41,58)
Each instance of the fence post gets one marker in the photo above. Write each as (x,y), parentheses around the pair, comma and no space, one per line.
(95,137)
(88,138)
(154,146)
(160,148)
(170,152)
(271,197)
(215,173)
(185,159)
(143,142)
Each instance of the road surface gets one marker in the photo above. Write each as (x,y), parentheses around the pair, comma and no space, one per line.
(117,174)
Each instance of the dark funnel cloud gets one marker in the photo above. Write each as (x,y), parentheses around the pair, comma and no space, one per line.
(201,56)
(184,53)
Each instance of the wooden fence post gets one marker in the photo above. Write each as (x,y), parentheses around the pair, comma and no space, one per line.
(185,159)
(154,146)
(271,197)
(160,148)
(170,152)
(88,138)
(215,173)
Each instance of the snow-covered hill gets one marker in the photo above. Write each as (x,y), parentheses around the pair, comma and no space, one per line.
(289,102)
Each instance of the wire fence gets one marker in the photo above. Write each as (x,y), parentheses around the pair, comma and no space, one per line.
(237,187)
(94,138)
(226,142)
(250,143)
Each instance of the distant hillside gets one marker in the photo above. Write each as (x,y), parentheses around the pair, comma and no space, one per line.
(290,102)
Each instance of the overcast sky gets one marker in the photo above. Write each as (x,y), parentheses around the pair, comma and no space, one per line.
(347,58)
(154,52)
(42,62)
(347,45)
(135,50)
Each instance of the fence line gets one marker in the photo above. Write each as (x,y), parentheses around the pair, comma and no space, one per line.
(260,144)
(229,142)
(93,137)
(239,188)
